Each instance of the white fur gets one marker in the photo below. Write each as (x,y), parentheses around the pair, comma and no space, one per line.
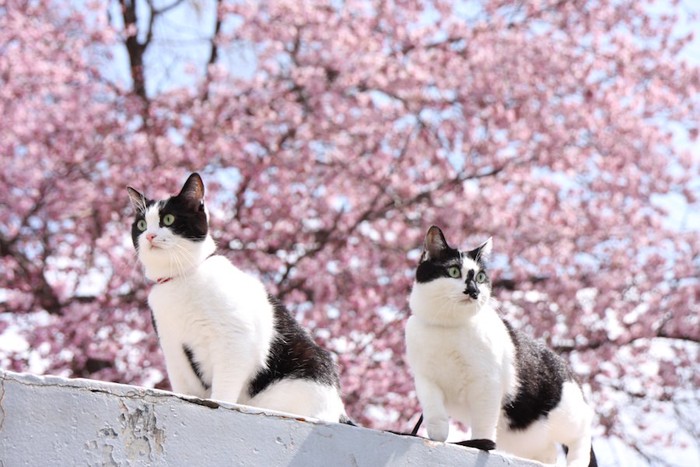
(569,424)
(300,397)
(169,255)
(223,315)
(463,361)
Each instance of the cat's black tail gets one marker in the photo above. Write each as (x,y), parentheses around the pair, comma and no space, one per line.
(414,432)
(483,444)
(593,462)
(344,419)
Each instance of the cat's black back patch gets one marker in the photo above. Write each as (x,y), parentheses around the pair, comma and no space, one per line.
(541,377)
(294,355)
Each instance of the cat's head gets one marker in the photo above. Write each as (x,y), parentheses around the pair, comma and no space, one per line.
(450,285)
(171,236)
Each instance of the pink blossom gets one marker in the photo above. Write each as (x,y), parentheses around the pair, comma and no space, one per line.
(358,126)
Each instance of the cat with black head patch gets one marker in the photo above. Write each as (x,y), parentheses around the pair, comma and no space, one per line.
(470,364)
(222,335)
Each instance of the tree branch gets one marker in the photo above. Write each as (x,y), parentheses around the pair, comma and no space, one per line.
(214,51)
(134,48)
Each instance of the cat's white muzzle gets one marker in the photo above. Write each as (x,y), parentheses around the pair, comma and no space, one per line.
(158,243)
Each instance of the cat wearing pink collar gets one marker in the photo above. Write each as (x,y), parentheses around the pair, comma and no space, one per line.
(223,336)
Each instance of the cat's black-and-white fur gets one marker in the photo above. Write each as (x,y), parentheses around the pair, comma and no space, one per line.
(471,365)
(222,335)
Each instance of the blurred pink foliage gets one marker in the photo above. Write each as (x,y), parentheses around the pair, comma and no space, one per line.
(546,124)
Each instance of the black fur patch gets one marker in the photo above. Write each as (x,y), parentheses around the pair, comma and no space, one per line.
(435,268)
(294,355)
(542,375)
(195,366)
(438,257)
(190,218)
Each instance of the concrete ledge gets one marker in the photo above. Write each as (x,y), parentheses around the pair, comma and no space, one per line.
(46,420)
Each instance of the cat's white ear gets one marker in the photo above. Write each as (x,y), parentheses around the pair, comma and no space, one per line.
(138,201)
(482,253)
(433,244)
(486,248)
(193,189)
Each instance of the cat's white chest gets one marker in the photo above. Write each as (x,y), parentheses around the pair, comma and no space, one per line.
(174,305)
(215,292)
(440,354)
(458,358)
(218,312)
(192,304)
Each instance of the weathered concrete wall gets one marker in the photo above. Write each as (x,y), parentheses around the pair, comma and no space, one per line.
(46,421)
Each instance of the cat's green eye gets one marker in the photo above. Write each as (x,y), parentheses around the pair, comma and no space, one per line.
(141,225)
(454,271)
(481,277)
(168,219)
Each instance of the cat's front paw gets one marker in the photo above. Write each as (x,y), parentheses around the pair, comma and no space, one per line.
(438,428)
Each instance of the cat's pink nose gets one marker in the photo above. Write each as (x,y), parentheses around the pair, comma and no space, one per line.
(150,237)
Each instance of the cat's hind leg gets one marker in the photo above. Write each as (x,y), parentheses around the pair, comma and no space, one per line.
(570,423)
(533,442)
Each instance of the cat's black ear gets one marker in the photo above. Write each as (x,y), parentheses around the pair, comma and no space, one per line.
(434,243)
(138,201)
(482,253)
(193,190)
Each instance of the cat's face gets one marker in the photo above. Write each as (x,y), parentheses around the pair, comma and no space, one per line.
(169,235)
(450,284)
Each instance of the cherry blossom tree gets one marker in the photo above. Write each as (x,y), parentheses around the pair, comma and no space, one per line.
(330,136)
